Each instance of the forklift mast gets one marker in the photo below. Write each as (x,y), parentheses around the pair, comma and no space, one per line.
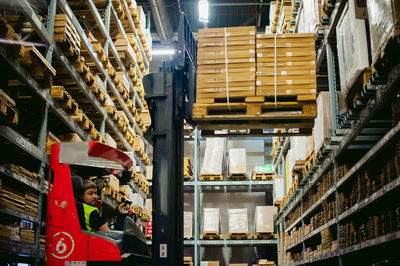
(170,95)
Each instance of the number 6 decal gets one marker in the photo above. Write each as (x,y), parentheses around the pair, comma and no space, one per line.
(64,245)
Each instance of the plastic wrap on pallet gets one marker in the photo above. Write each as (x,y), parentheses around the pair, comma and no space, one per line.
(137,200)
(149,207)
(289,168)
(211,220)
(310,144)
(149,173)
(237,161)
(278,188)
(238,223)
(384,17)
(264,219)
(128,192)
(323,122)
(298,145)
(148,38)
(213,156)
(187,224)
(308,17)
(352,48)
(110,141)
(272,10)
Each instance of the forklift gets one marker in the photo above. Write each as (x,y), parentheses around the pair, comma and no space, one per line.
(170,96)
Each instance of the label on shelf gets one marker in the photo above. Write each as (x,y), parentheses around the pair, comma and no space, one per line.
(14,233)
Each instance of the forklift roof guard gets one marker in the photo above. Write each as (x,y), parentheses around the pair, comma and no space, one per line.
(94,154)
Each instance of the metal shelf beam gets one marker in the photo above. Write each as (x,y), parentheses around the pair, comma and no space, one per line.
(366,202)
(19,141)
(19,248)
(5,171)
(18,214)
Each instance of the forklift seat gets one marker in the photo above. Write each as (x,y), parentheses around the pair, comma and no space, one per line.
(77,186)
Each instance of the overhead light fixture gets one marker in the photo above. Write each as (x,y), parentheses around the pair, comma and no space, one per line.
(203,11)
(163,52)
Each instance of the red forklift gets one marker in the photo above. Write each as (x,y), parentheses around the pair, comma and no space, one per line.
(66,242)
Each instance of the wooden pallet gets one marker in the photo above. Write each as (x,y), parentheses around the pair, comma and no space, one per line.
(238,236)
(238,177)
(60,94)
(210,236)
(8,111)
(149,237)
(66,35)
(302,125)
(264,236)
(262,176)
(354,93)
(310,162)
(211,177)
(19,170)
(257,108)
(187,178)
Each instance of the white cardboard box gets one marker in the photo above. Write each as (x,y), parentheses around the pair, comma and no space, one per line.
(238,222)
(264,219)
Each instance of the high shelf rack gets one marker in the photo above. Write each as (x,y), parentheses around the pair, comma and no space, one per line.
(36,150)
(369,135)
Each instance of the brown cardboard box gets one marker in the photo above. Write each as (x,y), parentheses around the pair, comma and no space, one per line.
(188,225)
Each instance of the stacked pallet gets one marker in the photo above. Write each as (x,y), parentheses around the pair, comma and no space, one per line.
(326,240)
(27,55)
(31,203)
(11,198)
(5,232)
(27,236)
(19,170)
(226,63)
(293,216)
(187,169)
(140,150)
(66,35)
(286,72)
(42,241)
(8,111)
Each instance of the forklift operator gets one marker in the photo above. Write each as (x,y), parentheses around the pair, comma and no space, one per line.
(92,219)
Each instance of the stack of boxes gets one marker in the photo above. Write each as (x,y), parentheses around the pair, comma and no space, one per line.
(290,60)
(226,63)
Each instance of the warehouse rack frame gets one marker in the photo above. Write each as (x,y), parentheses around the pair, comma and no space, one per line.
(39,152)
(342,141)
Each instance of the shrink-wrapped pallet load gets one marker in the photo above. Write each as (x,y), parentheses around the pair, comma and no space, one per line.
(213,156)
(238,223)
(384,23)
(226,63)
(188,225)
(211,221)
(323,122)
(352,48)
(308,17)
(237,161)
(264,219)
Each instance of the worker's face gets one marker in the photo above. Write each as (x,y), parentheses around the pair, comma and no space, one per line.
(90,196)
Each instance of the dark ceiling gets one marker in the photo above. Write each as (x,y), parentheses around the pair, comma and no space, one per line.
(222,13)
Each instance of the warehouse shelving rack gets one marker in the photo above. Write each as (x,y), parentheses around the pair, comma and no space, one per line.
(38,152)
(344,140)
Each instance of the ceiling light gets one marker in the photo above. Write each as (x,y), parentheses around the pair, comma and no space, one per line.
(163,52)
(203,11)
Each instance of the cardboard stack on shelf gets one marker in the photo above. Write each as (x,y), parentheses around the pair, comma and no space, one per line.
(286,75)
(112,188)
(226,63)
(209,263)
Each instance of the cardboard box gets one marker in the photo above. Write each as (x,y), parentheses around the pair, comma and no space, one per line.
(264,219)
(211,220)
(278,188)
(285,65)
(221,52)
(237,161)
(213,156)
(188,224)
(238,222)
